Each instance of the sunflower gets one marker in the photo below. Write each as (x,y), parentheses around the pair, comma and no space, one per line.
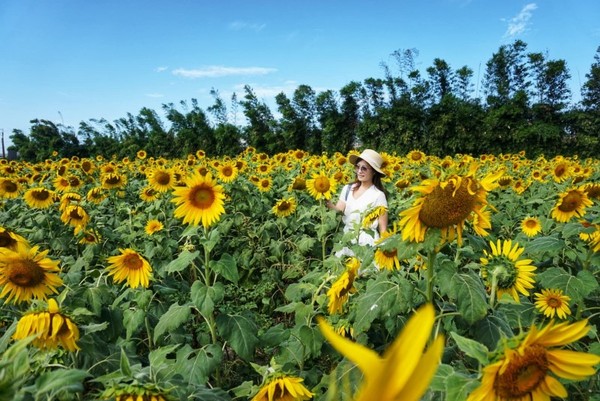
(130,266)
(9,188)
(404,372)
(416,157)
(447,205)
(560,172)
(27,273)
(67,199)
(39,198)
(284,207)
(372,215)
(161,179)
(531,226)
(141,154)
(505,272)
(201,200)
(76,217)
(386,256)
(299,184)
(149,194)
(343,287)
(525,368)
(264,184)
(153,226)
(320,186)
(11,240)
(113,180)
(592,191)
(283,388)
(61,184)
(227,172)
(96,195)
(571,203)
(553,302)
(51,328)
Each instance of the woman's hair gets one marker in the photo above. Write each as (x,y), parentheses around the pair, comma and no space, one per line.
(376,178)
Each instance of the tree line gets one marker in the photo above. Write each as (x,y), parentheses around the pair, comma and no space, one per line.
(523,104)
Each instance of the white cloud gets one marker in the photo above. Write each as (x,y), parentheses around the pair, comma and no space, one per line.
(155,95)
(241,25)
(161,69)
(262,91)
(518,24)
(221,71)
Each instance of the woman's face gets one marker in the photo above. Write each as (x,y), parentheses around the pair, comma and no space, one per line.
(364,172)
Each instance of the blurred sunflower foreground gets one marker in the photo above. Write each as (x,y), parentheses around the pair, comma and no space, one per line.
(404,372)
(522,370)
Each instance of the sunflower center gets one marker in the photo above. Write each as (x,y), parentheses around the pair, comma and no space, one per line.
(6,241)
(113,179)
(570,202)
(75,215)
(163,178)
(132,262)
(41,194)
(322,184)
(531,224)
(553,302)
(26,273)
(391,253)
(444,207)
(9,186)
(227,171)
(283,206)
(202,197)
(523,374)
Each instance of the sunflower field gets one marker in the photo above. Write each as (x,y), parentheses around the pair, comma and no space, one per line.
(216,279)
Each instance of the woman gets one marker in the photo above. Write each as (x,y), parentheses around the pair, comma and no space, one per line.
(364,195)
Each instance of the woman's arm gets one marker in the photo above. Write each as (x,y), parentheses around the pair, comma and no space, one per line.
(338,207)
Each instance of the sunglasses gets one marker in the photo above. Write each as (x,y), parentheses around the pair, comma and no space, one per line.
(362,169)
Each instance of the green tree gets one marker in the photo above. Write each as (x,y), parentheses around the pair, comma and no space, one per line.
(260,129)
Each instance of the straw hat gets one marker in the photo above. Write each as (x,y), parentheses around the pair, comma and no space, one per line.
(370,156)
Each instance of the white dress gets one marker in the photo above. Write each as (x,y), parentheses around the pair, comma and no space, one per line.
(355,212)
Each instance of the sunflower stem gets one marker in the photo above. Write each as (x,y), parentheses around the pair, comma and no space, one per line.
(430,275)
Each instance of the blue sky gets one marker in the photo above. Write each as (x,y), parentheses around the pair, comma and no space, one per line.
(73,60)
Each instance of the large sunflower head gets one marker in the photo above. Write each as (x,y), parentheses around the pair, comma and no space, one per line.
(386,255)
(526,369)
(161,179)
(51,328)
(26,274)
(505,271)
(201,200)
(9,188)
(447,205)
(320,186)
(39,198)
(571,203)
(130,266)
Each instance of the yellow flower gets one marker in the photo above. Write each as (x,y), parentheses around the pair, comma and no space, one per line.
(553,302)
(320,186)
(75,216)
(149,194)
(50,327)
(141,154)
(344,286)
(523,370)
(26,273)
(531,226)
(90,237)
(404,372)
(505,272)
(130,266)
(227,172)
(201,200)
(264,184)
(570,204)
(11,240)
(153,226)
(113,180)
(161,179)
(372,215)
(283,388)
(96,195)
(39,198)
(284,207)
(447,205)
(416,157)
(385,256)
(9,188)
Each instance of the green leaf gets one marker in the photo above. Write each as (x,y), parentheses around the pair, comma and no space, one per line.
(133,319)
(226,266)
(459,386)
(378,298)
(274,336)
(59,381)
(124,364)
(204,298)
(184,259)
(472,348)
(299,291)
(471,297)
(312,340)
(491,329)
(158,357)
(171,319)
(305,244)
(540,245)
(240,331)
(438,382)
